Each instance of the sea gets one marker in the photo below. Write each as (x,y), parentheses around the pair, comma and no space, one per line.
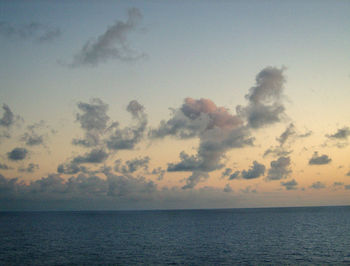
(262,236)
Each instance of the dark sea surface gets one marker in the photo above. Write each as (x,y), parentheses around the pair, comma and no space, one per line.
(277,236)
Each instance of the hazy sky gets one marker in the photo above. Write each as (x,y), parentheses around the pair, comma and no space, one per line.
(174,104)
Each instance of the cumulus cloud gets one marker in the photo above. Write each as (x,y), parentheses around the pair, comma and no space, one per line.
(32,31)
(8,117)
(112,44)
(341,134)
(94,156)
(279,169)
(31,168)
(347,186)
(127,138)
(348,173)
(159,172)
(132,166)
(249,189)
(235,175)
(290,185)
(194,179)
(317,185)
(70,168)
(337,184)
(265,99)
(255,171)
(289,132)
(4,166)
(35,134)
(17,154)
(93,120)
(319,160)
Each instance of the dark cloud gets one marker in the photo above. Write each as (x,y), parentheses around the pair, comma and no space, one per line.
(132,166)
(8,117)
(265,99)
(337,184)
(17,154)
(4,166)
(194,179)
(255,171)
(31,168)
(317,185)
(94,156)
(289,132)
(93,120)
(235,175)
(112,44)
(341,134)
(280,169)
(228,188)
(71,168)
(277,151)
(348,173)
(159,172)
(32,31)
(319,160)
(290,185)
(127,138)
(347,186)
(226,172)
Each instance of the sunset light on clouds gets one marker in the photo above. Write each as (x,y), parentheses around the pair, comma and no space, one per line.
(181,104)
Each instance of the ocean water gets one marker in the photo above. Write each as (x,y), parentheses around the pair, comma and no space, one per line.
(266,236)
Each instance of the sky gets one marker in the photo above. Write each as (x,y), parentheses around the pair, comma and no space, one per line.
(109,105)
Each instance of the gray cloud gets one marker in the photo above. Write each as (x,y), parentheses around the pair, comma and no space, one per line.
(341,134)
(33,31)
(228,188)
(17,154)
(94,156)
(319,160)
(93,120)
(289,132)
(280,169)
(348,173)
(337,184)
(112,44)
(31,168)
(126,138)
(235,175)
(255,171)
(265,106)
(4,166)
(132,166)
(347,186)
(317,185)
(8,117)
(71,168)
(159,172)
(195,178)
(248,189)
(290,185)
(277,151)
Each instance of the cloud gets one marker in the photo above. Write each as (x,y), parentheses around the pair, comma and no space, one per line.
(93,120)
(255,171)
(337,184)
(112,44)
(158,171)
(4,166)
(280,169)
(8,117)
(127,138)
(248,189)
(71,168)
(235,175)
(195,117)
(347,186)
(94,156)
(348,173)
(277,151)
(132,166)
(290,185)
(265,99)
(32,31)
(33,136)
(341,134)
(31,168)
(17,154)
(319,160)
(194,179)
(317,185)
(228,188)
(289,132)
